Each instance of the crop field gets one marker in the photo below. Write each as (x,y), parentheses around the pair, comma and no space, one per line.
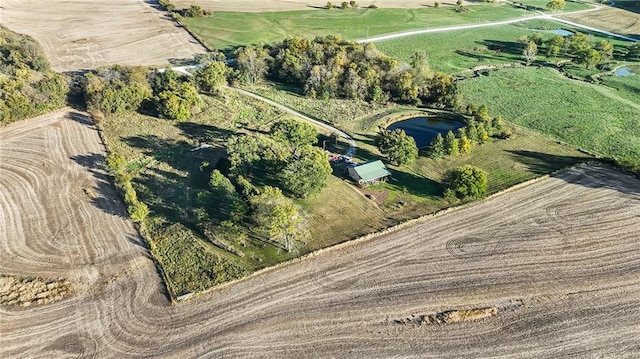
(524,274)
(455,51)
(80,35)
(226,30)
(60,218)
(622,19)
(592,117)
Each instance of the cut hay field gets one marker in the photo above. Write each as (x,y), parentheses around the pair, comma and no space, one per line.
(227,30)
(81,35)
(624,18)
(592,117)
(547,270)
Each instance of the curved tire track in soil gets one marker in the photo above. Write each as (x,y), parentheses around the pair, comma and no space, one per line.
(575,298)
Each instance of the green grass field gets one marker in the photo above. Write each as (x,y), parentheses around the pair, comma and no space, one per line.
(167,177)
(417,190)
(455,51)
(227,30)
(596,118)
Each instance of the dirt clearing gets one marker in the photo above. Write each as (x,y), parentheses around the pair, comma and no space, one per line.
(547,270)
(79,35)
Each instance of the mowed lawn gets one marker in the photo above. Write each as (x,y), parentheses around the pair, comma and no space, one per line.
(596,118)
(455,51)
(227,30)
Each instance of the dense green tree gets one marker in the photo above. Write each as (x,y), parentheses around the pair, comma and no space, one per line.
(472,132)
(605,49)
(279,218)
(251,63)
(243,151)
(554,46)
(483,135)
(211,77)
(397,146)
(179,102)
(329,67)
(465,145)
(306,174)
(555,5)
(451,144)
(530,51)
(116,89)
(224,203)
(295,134)
(443,91)
(633,51)
(437,146)
(467,182)
(589,57)
(195,11)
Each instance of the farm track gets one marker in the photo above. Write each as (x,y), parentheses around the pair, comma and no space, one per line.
(559,259)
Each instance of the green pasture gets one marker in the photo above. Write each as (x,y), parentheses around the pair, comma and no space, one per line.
(455,51)
(596,118)
(227,30)
(416,189)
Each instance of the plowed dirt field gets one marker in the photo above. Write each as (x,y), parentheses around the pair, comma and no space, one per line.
(548,270)
(81,35)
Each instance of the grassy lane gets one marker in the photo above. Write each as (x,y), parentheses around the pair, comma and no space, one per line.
(593,117)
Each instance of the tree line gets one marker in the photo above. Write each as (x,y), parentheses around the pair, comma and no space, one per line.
(330,67)
(28,86)
(163,93)
(577,47)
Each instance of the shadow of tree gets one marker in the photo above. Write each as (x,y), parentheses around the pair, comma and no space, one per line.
(104,195)
(543,163)
(594,176)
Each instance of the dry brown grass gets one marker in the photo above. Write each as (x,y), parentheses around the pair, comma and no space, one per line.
(25,292)
(611,19)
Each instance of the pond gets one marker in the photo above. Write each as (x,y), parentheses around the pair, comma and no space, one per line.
(623,71)
(425,129)
(561,32)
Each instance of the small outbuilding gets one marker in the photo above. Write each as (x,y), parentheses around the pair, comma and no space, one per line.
(369,173)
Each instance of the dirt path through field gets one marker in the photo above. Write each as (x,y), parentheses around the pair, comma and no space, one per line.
(80,35)
(554,265)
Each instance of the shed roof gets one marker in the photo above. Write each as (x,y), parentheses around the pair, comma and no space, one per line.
(372,170)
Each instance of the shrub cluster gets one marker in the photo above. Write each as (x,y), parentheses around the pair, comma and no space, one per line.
(116,165)
(477,131)
(28,87)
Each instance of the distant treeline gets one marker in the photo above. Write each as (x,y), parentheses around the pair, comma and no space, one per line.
(28,86)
